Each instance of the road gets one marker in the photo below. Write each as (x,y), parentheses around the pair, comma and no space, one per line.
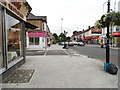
(96,52)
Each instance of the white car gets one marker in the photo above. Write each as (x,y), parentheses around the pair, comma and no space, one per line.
(70,44)
(75,43)
(81,44)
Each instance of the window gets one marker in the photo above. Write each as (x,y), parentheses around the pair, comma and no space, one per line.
(1,55)
(33,40)
(118,28)
(13,29)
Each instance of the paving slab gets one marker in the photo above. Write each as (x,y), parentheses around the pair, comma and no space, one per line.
(66,72)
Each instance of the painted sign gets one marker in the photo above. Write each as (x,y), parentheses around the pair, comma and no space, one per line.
(37,34)
(97,31)
(116,33)
(16,7)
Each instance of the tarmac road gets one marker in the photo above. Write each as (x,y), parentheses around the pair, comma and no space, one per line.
(96,52)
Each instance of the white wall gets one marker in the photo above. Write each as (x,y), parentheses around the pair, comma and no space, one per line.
(119,6)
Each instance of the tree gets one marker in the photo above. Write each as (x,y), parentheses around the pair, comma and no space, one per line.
(101,23)
(56,38)
(75,33)
(68,39)
(62,36)
(112,17)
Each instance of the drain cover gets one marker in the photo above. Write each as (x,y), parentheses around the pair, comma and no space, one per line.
(56,52)
(20,76)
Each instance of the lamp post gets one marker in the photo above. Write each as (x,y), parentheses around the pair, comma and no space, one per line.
(107,45)
(61,24)
(61,30)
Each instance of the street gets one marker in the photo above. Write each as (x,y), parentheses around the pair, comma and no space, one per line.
(96,52)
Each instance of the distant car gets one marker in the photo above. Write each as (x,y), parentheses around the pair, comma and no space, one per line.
(75,43)
(70,44)
(61,43)
(80,44)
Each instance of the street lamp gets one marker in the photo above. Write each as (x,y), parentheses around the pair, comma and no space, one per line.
(61,24)
(107,45)
(109,67)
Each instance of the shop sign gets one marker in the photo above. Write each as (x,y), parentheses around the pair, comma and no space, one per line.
(37,34)
(14,7)
(96,31)
(116,33)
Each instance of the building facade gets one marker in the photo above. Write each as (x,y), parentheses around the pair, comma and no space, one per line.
(91,35)
(38,38)
(12,33)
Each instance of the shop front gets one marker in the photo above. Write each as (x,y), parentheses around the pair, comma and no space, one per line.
(36,39)
(12,34)
(116,38)
(1,54)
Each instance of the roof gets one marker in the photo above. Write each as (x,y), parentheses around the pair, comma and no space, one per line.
(88,29)
(33,17)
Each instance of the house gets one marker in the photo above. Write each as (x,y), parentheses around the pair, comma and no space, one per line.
(91,35)
(114,33)
(38,38)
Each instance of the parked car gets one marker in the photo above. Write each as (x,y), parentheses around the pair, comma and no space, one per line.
(80,44)
(75,43)
(61,43)
(70,44)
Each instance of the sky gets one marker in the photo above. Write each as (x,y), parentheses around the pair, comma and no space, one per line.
(77,14)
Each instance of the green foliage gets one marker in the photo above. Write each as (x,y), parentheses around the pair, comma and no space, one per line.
(56,38)
(75,33)
(113,18)
(62,36)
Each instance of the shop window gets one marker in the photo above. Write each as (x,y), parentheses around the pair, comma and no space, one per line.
(37,41)
(13,29)
(1,55)
(33,40)
(118,28)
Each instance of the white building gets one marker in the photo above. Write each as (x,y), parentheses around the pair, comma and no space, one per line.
(119,6)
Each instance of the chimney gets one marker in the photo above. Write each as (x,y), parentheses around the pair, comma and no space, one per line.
(88,27)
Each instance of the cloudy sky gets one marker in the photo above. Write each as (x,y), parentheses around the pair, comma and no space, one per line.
(76,14)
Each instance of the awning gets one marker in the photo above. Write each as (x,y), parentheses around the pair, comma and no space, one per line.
(95,38)
(27,25)
(30,26)
(88,37)
(116,33)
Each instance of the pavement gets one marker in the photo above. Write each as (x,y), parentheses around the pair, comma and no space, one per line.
(65,71)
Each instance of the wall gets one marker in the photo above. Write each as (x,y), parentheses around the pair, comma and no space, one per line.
(119,6)
(37,23)
(18,8)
